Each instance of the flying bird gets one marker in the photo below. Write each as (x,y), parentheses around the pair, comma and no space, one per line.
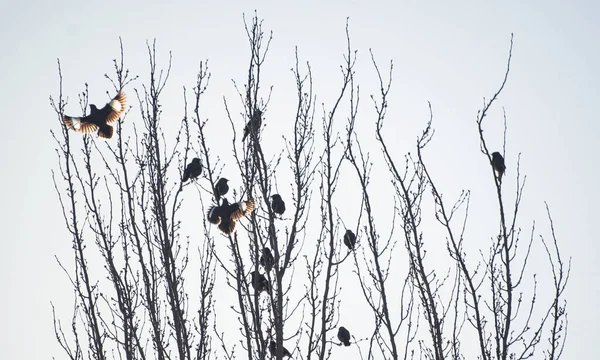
(253,125)
(350,239)
(260,282)
(266,259)
(277,204)
(344,336)
(226,215)
(192,171)
(99,119)
(273,350)
(221,187)
(498,164)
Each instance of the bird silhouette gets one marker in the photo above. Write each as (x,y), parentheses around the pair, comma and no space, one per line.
(344,335)
(266,259)
(99,119)
(221,187)
(277,204)
(273,350)
(260,282)
(226,215)
(498,164)
(350,239)
(253,125)
(192,170)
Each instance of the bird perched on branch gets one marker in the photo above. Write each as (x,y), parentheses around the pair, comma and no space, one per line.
(273,350)
(226,215)
(192,171)
(344,336)
(221,187)
(253,125)
(260,282)
(266,259)
(277,204)
(99,119)
(498,164)
(349,239)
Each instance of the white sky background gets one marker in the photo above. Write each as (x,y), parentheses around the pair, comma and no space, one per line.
(450,55)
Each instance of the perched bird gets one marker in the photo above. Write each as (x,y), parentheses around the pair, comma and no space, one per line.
(277,204)
(266,259)
(226,215)
(350,239)
(221,187)
(498,164)
(99,119)
(253,125)
(273,350)
(193,170)
(260,282)
(344,335)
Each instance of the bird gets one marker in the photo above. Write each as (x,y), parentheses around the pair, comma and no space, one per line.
(260,282)
(350,239)
(344,336)
(99,119)
(498,164)
(253,125)
(221,187)
(192,170)
(226,215)
(266,259)
(273,350)
(277,204)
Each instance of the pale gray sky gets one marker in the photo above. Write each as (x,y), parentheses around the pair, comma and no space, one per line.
(451,55)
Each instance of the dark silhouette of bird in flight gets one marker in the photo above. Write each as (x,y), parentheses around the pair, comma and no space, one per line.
(273,350)
(193,170)
(349,239)
(344,336)
(498,164)
(221,187)
(253,125)
(260,282)
(266,259)
(226,215)
(99,119)
(277,204)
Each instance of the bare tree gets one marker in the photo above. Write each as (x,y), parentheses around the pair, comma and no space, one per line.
(140,293)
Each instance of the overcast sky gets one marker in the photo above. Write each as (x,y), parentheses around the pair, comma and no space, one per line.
(449,55)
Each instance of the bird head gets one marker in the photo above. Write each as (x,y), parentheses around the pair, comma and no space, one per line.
(276,197)
(196,160)
(496,154)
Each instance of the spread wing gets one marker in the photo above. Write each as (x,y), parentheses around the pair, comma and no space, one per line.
(214,215)
(115,108)
(80,124)
(244,208)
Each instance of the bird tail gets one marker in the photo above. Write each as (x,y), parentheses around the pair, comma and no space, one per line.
(106,131)
(185,177)
(227,226)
